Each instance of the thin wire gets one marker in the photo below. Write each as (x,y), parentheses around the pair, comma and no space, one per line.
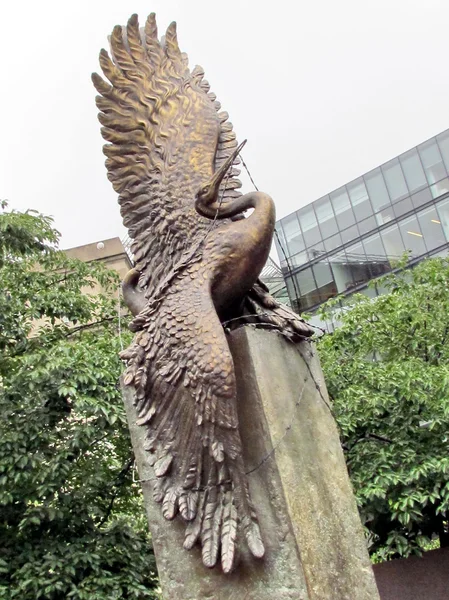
(317,384)
(249,174)
(281,439)
(119,318)
(243,319)
(263,325)
(289,268)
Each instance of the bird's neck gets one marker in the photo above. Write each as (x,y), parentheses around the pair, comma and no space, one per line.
(262,203)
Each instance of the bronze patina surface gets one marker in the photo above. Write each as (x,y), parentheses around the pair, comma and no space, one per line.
(171,157)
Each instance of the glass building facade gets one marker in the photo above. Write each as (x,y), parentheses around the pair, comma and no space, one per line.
(356,233)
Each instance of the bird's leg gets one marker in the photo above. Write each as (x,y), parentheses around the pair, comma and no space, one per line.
(266,311)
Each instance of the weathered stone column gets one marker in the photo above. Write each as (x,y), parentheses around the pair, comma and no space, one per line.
(315,549)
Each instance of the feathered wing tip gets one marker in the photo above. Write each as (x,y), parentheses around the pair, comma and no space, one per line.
(214,513)
(201,484)
(137,53)
(189,409)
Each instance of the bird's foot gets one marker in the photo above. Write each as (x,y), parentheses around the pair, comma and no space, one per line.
(264,311)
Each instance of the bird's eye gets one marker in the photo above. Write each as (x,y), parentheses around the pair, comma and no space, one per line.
(203,191)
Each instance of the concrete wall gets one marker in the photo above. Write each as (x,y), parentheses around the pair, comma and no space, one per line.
(113,255)
(415,578)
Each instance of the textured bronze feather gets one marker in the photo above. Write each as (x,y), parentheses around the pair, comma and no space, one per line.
(168,151)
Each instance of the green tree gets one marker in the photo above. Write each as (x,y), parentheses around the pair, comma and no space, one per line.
(387,370)
(71,519)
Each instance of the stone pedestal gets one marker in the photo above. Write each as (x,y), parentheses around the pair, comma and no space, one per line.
(314,542)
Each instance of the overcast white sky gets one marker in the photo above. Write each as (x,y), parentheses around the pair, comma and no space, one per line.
(323,90)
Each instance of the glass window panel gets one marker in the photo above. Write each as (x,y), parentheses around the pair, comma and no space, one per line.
(377,189)
(290,288)
(421,197)
(359,198)
(431,228)
(395,180)
(440,188)
(299,259)
(307,218)
(363,210)
(325,216)
(290,225)
(403,206)
(293,234)
(306,281)
(356,253)
(376,255)
(358,264)
(316,251)
(342,208)
(370,292)
(325,281)
(323,273)
(443,214)
(307,288)
(289,284)
(393,244)
(280,243)
(309,225)
(443,143)
(441,253)
(333,242)
(349,234)
(385,215)
(306,301)
(357,191)
(312,236)
(432,161)
(412,236)
(367,225)
(342,272)
(413,171)
(374,247)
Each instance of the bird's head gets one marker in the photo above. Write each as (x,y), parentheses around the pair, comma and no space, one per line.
(207,194)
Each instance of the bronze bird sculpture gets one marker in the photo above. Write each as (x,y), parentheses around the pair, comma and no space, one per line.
(170,157)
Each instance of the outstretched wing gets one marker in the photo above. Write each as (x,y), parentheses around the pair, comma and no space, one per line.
(182,370)
(165,139)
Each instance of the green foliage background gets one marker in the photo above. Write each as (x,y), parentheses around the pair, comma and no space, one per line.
(387,370)
(71,519)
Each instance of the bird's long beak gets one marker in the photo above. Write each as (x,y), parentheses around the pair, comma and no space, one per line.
(218,176)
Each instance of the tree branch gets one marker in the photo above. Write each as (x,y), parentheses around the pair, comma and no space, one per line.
(117,485)
(443,341)
(88,325)
(368,437)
